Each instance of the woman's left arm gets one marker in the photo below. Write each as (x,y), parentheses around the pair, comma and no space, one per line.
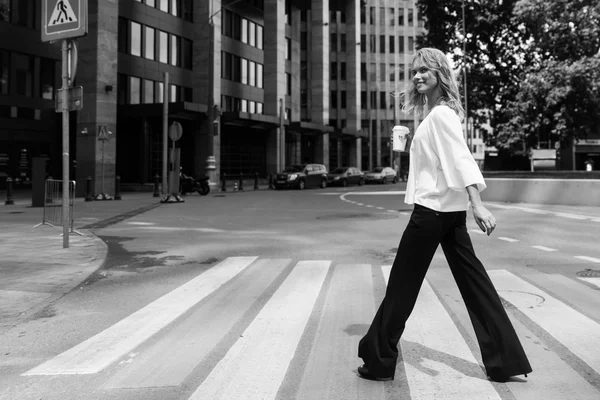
(483,217)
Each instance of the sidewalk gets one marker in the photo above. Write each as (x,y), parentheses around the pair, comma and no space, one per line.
(35,269)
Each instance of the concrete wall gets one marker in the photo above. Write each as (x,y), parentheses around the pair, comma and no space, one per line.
(576,192)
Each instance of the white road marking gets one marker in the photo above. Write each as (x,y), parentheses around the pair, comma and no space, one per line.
(586,258)
(392,211)
(593,281)
(544,248)
(140,223)
(479,231)
(256,364)
(432,377)
(358,204)
(550,314)
(572,216)
(545,212)
(507,239)
(106,347)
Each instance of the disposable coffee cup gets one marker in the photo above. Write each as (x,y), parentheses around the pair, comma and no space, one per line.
(400,137)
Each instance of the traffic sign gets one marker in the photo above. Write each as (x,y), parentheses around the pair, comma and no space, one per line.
(63,19)
(103,132)
(175,131)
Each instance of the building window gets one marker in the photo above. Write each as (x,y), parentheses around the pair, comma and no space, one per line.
(333,43)
(259,38)
(174,93)
(259,75)
(186,53)
(47,78)
(175,51)
(363,43)
(23,67)
(373,72)
(252,107)
(343,71)
(401,16)
(401,44)
(343,98)
(288,49)
(383,100)
(158,92)
(163,5)
(373,100)
(5,10)
(392,16)
(236,73)
(244,30)
(174,8)
(372,44)
(121,89)
(244,71)
(134,90)
(410,17)
(343,42)
(363,71)
(150,3)
(226,67)
(382,43)
(288,86)
(252,73)
(363,100)
(392,44)
(149,43)
(303,70)
(135,44)
(372,15)
(363,15)
(252,33)
(4,68)
(163,47)
(25,13)
(381,16)
(244,105)
(411,43)
(148,91)
(392,73)
(123,35)
(333,97)
(187,10)
(382,71)
(333,71)
(303,40)
(304,98)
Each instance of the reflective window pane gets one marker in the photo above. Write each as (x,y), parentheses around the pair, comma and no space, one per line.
(163,43)
(149,43)
(148,91)
(134,90)
(135,45)
(23,67)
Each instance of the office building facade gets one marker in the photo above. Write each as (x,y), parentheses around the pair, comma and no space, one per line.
(256,84)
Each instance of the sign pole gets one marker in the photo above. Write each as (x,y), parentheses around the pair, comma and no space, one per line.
(165,131)
(65,142)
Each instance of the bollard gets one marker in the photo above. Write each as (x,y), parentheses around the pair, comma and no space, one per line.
(88,189)
(118,188)
(241,182)
(156,191)
(223,182)
(256,181)
(9,196)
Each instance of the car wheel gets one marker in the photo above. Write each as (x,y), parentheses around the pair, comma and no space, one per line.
(344,182)
(301,185)
(383,181)
(323,183)
(395,179)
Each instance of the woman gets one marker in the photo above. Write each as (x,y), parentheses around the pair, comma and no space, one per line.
(443,179)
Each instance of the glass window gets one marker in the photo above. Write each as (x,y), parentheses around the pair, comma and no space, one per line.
(226,60)
(343,98)
(150,3)
(392,16)
(123,35)
(148,91)
(47,78)
(187,10)
(163,47)
(25,15)
(392,73)
(363,15)
(411,43)
(288,81)
(23,67)
(227,24)
(252,107)
(363,100)
(401,44)
(382,72)
(303,40)
(381,15)
(259,37)
(373,72)
(175,50)
(174,7)
(382,100)
(410,17)
(134,90)
(252,73)
(392,45)
(333,42)
(373,100)
(135,46)
(244,71)
(382,43)
(333,70)
(333,99)
(288,49)
(259,107)
(252,33)
(163,5)
(372,43)
(122,89)
(343,71)
(244,30)
(303,70)
(343,42)
(5,10)
(158,92)
(186,53)
(363,43)
(363,71)
(237,27)
(4,68)
(149,43)
(259,75)
(244,105)
(236,69)
(174,94)
(372,15)
(401,16)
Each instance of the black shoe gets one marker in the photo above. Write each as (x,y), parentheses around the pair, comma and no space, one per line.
(499,376)
(363,371)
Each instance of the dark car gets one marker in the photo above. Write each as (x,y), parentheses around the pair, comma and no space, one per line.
(301,176)
(344,176)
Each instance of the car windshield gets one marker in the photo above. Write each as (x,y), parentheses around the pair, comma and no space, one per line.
(294,168)
(378,169)
(338,171)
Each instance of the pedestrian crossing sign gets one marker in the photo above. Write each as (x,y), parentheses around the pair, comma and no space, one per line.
(63,19)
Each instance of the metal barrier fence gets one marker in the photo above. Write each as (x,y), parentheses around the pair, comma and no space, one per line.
(53,204)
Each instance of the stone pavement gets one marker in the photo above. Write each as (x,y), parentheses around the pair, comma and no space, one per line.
(35,269)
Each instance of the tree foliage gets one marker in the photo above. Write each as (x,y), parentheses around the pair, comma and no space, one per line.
(534,62)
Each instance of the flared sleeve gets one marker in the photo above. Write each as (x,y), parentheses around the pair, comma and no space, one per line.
(456,161)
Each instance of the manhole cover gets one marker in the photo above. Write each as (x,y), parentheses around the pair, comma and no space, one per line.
(520,299)
(589,273)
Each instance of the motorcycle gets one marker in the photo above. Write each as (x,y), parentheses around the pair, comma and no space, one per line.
(188,184)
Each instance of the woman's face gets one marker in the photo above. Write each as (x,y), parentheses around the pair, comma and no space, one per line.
(424,79)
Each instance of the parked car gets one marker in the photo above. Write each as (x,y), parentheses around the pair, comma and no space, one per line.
(301,176)
(381,175)
(344,176)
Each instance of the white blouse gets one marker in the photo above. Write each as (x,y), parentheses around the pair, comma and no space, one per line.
(441,165)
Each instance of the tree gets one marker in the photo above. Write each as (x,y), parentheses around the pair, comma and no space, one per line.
(559,97)
(496,51)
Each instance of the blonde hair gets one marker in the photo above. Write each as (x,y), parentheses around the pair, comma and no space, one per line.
(438,63)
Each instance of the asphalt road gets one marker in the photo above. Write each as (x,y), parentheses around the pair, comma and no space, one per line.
(264,295)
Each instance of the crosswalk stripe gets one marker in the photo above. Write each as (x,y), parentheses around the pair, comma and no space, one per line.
(431,343)
(508,239)
(586,258)
(96,353)
(255,365)
(567,325)
(169,362)
(593,281)
(334,348)
(544,248)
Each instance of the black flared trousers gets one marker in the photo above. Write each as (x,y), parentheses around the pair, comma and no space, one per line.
(500,347)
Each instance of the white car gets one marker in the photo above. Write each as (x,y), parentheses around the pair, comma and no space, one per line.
(381,175)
